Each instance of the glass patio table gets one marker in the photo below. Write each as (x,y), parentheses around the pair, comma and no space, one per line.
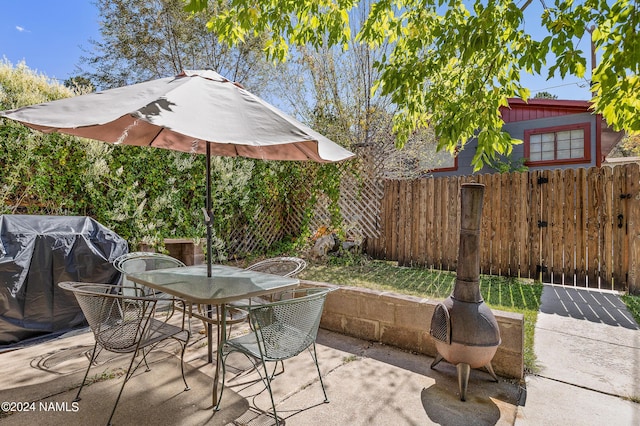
(226,284)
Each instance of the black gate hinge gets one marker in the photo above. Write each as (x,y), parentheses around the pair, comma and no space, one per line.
(542,180)
(542,224)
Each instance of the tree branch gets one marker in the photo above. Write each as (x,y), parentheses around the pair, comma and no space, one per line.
(526,4)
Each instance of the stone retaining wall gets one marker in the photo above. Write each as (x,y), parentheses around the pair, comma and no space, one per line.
(404,322)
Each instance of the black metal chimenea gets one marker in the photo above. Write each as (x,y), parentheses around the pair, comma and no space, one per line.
(464,329)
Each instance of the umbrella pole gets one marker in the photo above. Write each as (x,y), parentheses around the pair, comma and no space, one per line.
(209,238)
(208,218)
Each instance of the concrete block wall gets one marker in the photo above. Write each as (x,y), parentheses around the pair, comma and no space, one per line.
(404,322)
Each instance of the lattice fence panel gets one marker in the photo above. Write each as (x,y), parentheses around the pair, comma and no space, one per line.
(361,192)
(267,227)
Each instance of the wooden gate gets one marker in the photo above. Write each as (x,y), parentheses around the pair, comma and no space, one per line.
(580,225)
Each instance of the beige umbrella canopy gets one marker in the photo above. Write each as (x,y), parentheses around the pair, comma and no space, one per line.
(184,113)
(195,111)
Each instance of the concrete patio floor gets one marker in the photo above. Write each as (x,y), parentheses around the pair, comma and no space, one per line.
(367,383)
(587,345)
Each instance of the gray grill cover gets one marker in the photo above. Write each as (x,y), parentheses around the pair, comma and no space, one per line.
(38,252)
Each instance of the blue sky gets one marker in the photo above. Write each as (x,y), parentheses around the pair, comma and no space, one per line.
(50,35)
(47,34)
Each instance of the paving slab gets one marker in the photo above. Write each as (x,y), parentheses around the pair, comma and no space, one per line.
(588,339)
(552,403)
(588,353)
(155,397)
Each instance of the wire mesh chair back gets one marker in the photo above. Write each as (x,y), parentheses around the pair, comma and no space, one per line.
(152,260)
(281,330)
(288,327)
(117,321)
(123,324)
(143,261)
(146,261)
(283,266)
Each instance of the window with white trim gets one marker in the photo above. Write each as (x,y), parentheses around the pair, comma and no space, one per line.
(559,144)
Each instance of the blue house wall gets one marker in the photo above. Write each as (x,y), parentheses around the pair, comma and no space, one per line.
(517,131)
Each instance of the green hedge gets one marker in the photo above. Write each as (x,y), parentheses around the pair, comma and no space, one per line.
(143,194)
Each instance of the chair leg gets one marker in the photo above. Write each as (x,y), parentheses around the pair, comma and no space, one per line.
(94,355)
(275,368)
(268,382)
(144,358)
(314,355)
(184,348)
(127,376)
(223,360)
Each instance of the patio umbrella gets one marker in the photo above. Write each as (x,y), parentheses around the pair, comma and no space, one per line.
(195,111)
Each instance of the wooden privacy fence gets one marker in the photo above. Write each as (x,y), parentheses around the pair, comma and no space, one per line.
(574,227)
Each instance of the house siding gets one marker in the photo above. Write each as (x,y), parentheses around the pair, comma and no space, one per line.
(516,129)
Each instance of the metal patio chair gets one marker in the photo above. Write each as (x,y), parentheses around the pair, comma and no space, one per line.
(284,266)
(141,261)
(281,330)
(123,323)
